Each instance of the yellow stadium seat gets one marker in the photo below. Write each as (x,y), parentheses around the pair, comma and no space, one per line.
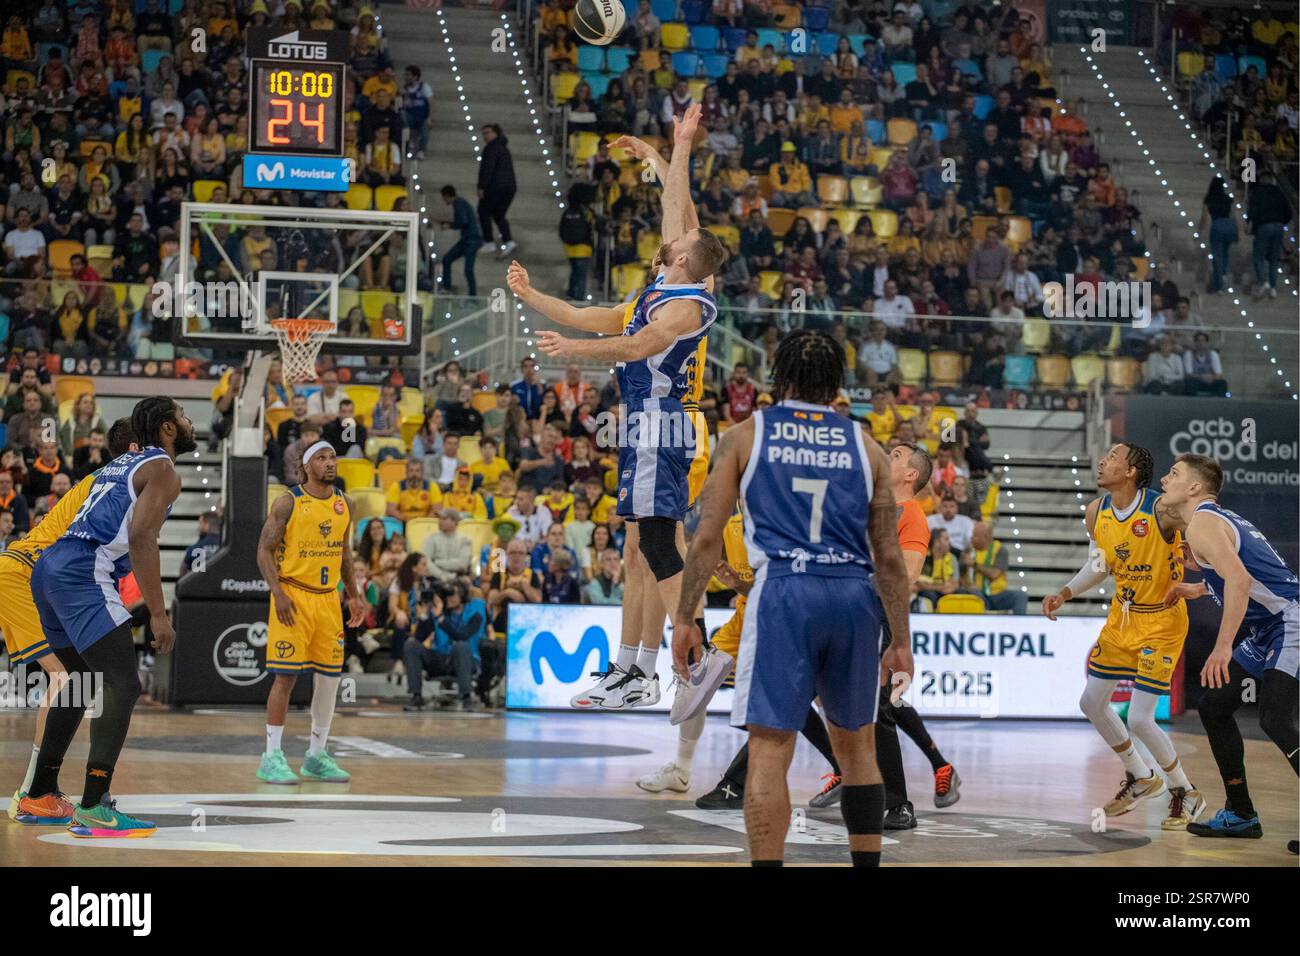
(911,366)
(61,252)
(832,190)
(418,533)
(1037,335)
(203,189)
(99,256)
(12,78)
(70,386)
(410,401)
(866,190)
(780,221)
(649,60)
(479,533)
(386,197)
(674,36)
(884,222)
(945,368)
(374,300)
(1003,196)
(900,131)
(647,244)
(366,503)
(1123,373)
(359,196)
(483,400)
(583,146)
(816,217)
(729,235)
(989,506)
(1112,345)
(88,146)
(364,399)
(770,283)
(960,604)
(1053,371)
(879,157)
(980,225)
(1190,64)
(697,88)
(375,444)
(628,278)
(410,426)
(563,85)
(847,218)
(356,472)
(469,451)
(390,471)
(274,491)
(1019,230)
(1087,368)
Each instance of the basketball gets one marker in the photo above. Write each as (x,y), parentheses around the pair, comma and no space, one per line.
(599,21)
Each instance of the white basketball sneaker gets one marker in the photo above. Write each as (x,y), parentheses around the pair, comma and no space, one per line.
(668,777)
(597,695)
(706,676)
(633,689)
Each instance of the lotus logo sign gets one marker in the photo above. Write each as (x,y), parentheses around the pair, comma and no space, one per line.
(290,47)
(270,174)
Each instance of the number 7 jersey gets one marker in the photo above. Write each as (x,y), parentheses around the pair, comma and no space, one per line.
(806,490)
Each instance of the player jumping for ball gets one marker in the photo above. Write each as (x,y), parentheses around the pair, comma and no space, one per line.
(305,552)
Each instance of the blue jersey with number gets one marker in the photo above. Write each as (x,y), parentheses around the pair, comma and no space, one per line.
(806,490)
(104,519)
(1273,586)
(669,374)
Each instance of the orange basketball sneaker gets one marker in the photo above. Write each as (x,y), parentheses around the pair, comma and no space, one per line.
(51,810)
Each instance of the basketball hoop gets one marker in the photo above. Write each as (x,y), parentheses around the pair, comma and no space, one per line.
(300,342)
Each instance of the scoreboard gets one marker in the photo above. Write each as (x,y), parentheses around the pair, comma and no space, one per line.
(297,97)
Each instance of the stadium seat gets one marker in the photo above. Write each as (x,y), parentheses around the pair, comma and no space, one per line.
(649,60)
(628,278)
(356,473)
(386,197)
(866,190)
(364,399)
(563,85)
(375,444)
(705,38)
(12,78)
(983,106)
(780,221)
(367,503)
(938,129)
(1018,372)
(150,59)
(203,189)
(900,131)
(816,18)
(618,58)
(392,526)
(479,533)
(715,64)
(876,130)
(826,43)
(418,533)
(483,400)
(359,196)
(817,218)
(945,368)
(969,68)
(61,252)
(770,283)
(70,386)
(411,401)
(410,425)
(911,366)
(374,300)
(389,472)
(1037,335)
(591,59)
(100,258)
(879,156)
(583,146)
(847,218)
(1019,230)
(647,244)
(1244,63)
(858,41)
(1190,64)
(777,39)
(729,235)
(1087,368)
(1116,337)
(686,64)
(734,38)
(694,11)
(904,73)
(960,604)
(1003,196)
(274,491)
(832,190)
(980,225)
(599,83)
(665,10)
(1225,67)
(65,409)
(884,222)
(1053,372)
(674,36)
(1123,373)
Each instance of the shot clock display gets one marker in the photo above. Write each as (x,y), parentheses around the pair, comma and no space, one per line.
(297,108)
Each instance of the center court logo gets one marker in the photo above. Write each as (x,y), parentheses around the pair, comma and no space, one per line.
(77,909)
(239,653)
(566,666)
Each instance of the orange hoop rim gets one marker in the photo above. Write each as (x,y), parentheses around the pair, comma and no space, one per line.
(299,330)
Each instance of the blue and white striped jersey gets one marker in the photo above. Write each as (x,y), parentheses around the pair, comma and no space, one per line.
(668,374)
(104,518)
(1273,586)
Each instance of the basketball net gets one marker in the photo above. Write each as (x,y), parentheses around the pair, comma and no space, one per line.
(300,342)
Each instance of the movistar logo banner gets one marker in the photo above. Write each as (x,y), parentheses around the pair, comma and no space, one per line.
(269,174)
(568,666)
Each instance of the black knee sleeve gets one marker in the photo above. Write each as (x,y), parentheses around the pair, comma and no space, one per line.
(658,543)
(863,807)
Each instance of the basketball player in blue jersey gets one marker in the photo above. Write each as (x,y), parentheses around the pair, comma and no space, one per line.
(816,492)
(655,354)
(75,589)
(1260,599)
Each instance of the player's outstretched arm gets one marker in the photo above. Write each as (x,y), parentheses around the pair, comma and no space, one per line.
(1212,539)
(673,319)
(356,601)
(159,487)
(269,542)
(1093,572)
(676,198)
(892,582)
(607,321)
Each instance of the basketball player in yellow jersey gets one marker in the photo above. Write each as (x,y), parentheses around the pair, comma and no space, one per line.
(1142,639)
(305,554)
(24,638)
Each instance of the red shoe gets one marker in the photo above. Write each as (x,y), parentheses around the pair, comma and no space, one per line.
(830,794)
(947,786)
(51,810)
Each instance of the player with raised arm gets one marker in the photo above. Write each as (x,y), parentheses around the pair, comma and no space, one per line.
(1260,599)
(815,490)
(75,589)
(1142,638)
(305,553)
(657,354)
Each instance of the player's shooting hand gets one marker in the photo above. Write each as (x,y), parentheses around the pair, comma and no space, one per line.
(637,148)
(686,640)
(684,129)
(283,607)
(164,635)
(357,608)
(1051,604)
(553,343)
(517,279)
(1215,672)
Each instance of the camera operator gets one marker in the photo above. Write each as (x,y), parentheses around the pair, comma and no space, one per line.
(448,629)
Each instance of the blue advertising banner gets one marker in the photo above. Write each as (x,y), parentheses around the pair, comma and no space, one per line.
(308,173)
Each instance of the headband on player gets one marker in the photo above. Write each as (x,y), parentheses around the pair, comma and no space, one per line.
(319,446)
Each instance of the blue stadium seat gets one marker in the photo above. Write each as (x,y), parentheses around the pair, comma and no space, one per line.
(1244,63)
(1018,372)
(599,83)
(826,43)
(940,130)
(686,64)
(43,51)
(968,68)
(774,37)
(694,11)
(904,73)
(1225,67)
(734,37)
(665,10)
(816,18)
(715,64)
(591,59)
(859,42)
(983,104)
(630,7)
(704,39)
(619,58)
(150,59)
(876,131)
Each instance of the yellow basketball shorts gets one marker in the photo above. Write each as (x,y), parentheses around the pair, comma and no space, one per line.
(24,638)
(314,642)
(1143,647)
(699,470)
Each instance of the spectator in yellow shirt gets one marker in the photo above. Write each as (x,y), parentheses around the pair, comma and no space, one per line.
(844,115)
(501,500)
(791,182)
(385,80)
(602,505)
(412,497)
(489,468)
(883,418)
(463,497)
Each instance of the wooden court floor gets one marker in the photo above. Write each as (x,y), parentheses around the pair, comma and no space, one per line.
(558,789)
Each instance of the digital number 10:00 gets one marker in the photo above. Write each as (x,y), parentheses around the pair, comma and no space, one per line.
(282,83)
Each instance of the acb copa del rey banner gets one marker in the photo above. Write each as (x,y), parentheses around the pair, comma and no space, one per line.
(989,665)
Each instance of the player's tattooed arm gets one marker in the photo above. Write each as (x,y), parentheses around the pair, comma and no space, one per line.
(892,582)
(356,601)
(159,486)
(267,544)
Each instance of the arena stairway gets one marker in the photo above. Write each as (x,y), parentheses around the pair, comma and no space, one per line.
(1185,176)
(494,92)
(200,473)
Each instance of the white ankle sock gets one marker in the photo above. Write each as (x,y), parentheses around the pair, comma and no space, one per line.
(646,659)
(324,692)
(1134,763)
(31,770)
(1176,777)
(627,655)
(273,735)
(689,733)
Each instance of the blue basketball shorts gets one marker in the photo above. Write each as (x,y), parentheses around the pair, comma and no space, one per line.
(75,589)
(1271,645)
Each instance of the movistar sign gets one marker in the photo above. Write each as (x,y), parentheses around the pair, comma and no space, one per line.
(312,173)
